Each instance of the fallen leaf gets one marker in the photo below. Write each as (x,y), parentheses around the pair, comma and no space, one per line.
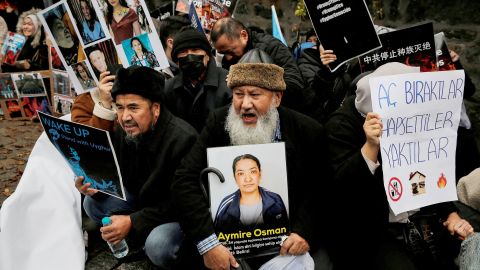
(7,192)
(20,162)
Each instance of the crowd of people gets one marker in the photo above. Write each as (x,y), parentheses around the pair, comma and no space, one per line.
(332,140)
(259,92)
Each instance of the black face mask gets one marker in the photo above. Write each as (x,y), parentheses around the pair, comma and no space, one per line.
(192,66)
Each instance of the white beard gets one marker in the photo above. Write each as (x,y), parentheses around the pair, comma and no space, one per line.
(263,131)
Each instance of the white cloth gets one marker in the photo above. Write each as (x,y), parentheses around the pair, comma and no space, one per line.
(41,224)
(290,262)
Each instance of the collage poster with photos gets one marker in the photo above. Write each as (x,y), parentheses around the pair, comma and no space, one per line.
(10,106)
(63,96)
(250,208)
(94,36)
(22,95)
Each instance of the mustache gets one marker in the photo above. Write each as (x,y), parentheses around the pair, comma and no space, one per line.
(129,123)
(248,112)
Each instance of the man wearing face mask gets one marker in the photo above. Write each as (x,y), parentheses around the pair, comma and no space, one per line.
(200,87)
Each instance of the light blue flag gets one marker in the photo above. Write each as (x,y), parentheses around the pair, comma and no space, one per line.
(276,31)
(192,15)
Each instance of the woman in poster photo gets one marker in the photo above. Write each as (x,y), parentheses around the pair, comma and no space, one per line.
(141,56)
(83,76)
(123,21)
(251,205)
(91,28)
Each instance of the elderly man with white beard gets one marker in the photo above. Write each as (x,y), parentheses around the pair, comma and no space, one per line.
(255,117)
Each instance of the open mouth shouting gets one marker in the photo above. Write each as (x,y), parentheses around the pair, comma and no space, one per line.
(249,118)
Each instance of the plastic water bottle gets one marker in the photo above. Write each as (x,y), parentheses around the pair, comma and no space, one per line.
(119,250)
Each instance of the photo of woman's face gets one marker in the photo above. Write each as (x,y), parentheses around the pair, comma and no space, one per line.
(82,72)
(62,34)
(85,10)
(247,175)
(136,46)
(28,29)
(113,2)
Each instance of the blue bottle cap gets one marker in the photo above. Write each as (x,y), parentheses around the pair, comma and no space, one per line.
(106,221)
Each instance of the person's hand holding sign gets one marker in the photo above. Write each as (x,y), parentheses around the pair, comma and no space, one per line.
(85,189)
(373,131)
(327,56)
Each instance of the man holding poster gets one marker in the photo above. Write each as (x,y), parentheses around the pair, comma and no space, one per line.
(256,117)
(149,143)
(398,241)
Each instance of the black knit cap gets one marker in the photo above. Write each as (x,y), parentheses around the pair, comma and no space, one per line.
(189,39)
(138,80)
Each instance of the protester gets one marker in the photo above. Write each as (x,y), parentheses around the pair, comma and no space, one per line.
(149,143)
(34,54)
(200,87)
(123,21)
(254,117)
(91,28)
(328,88)
(468,154)
(167,30)
(232,39)
(468,189)
(354,143)
(141,56)
(251,206)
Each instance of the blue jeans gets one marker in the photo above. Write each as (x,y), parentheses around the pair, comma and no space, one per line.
(162,243)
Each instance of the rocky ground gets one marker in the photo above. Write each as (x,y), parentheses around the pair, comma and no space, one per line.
(17,138)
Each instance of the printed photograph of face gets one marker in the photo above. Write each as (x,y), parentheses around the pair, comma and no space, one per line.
(125,19)
(251,205)
(63,33)
(83,75)
(139,52)
(101,56)
(252,173)
(87,21)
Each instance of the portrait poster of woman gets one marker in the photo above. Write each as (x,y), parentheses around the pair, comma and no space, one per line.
(139,52)
(123,20)
(88,24)
(58,25)
(250,209)
(83,75)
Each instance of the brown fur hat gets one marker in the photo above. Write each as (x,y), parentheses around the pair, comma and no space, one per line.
(256,69)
